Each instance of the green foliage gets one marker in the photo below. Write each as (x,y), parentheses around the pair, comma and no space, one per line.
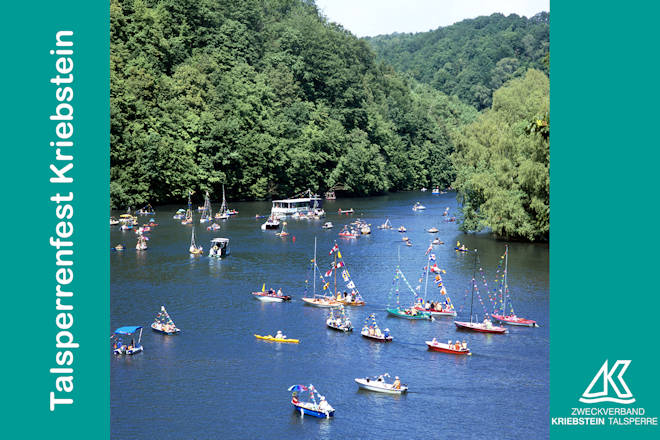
(472,58)
(502,162)
(267,97)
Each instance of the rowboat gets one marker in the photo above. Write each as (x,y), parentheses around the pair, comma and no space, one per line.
(322,410)
(402,229)
(418,207)
(270,297)
(341,322)
(270,338)
(456,348)
(375,337)
(432,230)
(379,385)
(371,330)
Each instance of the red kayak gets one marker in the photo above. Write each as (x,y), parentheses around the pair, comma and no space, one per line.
(448,348)
(481,327)
(515,320)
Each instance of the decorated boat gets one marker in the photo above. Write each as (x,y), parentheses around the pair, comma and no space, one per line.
(442,307)
(386,225)
(121,344)
(141,244)
(279,337)
(338,320)
(270,295)
(322,409)
(351,295)
(370,330)
(207,214)
(452,348)
(399,311)
(194,248)
(146,210)
(323,300)
(379,385)
(164,324)
(188,216)
(500,314)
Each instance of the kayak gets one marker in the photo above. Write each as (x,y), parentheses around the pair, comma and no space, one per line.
(273,339)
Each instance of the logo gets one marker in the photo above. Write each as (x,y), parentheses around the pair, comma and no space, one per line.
(623,394)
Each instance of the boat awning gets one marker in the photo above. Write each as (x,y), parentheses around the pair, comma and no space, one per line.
(128,330)
(220,240)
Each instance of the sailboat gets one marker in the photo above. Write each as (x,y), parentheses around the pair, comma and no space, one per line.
(319,300)
(483,327)
(444,308)
(141,243)
(511,318)
(386,225)
(164,324)
(402,312)
(188,217)
(147,210)
(224,212)
(206,212)
(194,248)
(351,297)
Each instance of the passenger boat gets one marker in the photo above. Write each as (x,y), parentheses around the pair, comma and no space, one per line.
(271,223)
(481,327)
(279,337)
(386,225)
(121,348)
(270,295)
(219,248)
(339,321)
(505,297)
(455,348)
(418,207)
(378,384)
(297,204)
(370,330)
(164,324)
(194,249)
(345,211)
(321,410)
(146,210)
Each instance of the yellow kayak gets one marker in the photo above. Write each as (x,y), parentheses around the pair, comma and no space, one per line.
(272,339)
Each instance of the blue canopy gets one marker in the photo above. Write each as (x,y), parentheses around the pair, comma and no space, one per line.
(297,388)
(128,330)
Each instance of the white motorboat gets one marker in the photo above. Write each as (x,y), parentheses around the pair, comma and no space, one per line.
(379,385)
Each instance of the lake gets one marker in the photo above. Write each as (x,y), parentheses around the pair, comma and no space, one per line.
(215,380)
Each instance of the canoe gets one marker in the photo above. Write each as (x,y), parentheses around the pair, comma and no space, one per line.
(313,410)
(273,339)
(436,312)
(265,297)
(446,348)
(479,327)
(399,313)
(380,386)
(380,338)
(515,320)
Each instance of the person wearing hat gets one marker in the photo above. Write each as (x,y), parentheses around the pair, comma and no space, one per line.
(323,404)
(397,383)
(386,333)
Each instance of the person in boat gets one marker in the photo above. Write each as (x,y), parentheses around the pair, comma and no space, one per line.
(457,346)
(279,292)
(279,335)
(271,291)
(428,305)
(397,383)
(294,398)
(434,341)
(345,294)
(386,333)
(353,296)
(323,404)
(413,312)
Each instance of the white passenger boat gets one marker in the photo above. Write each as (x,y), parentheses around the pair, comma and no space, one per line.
(379,385)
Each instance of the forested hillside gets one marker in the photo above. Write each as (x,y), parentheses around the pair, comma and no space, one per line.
(267,97)
(472,58)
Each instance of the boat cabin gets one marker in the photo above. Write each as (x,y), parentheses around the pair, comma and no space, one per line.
(219,247)
(292,206)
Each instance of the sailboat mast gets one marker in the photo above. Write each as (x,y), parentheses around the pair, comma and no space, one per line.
(336,273)
(426,284)
(314,267)
(505,286)
(474,282)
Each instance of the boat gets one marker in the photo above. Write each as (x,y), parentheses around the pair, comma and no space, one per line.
(345,211)
(318,300)
(188,216)
(453,348)
(122,348)
(378,384)
(141,244)
(113,221)
(330,195)
(481,327)
(119,247)
(271,223)
(339,321)
(207,215)
(351,296)
(164,324)
(296,204)
(180,214)
(386,225)
(418,207)
(446,212)
(370,330)
(219,248)
(432,230)
(402,229)
(224,212)
(279,337)
(435,308)
(460,247)
(435,191)
(194,249)
(365,230)
(511,318)
(327,225)
(270,295)
(213,227)
(146,210)
(423,190)
(348,233)
(437,241)
(283,232)
(399,311)
(322,410)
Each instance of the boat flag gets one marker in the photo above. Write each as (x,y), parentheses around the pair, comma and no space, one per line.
(334,248)
(432,257)
(350,285)
(325,286)
(340,264)
(338,253)
(429,249)
(328,273)
(263,288)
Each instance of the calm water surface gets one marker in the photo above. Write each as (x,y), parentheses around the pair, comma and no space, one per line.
(216,381)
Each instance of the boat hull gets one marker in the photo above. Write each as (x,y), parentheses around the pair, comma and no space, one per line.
(339,329)
(446,348)
(321,303)
(158,330)
(514,320)
(380,387)
(400,314)
(377,338)
(437,313)
(478,327)
(312,412)
(270,298)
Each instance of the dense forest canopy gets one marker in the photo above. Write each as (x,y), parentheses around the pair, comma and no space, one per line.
(267,97)
(472,58)
(502,162)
